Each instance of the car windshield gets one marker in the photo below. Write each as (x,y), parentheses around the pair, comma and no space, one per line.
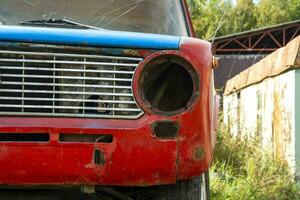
(148,16)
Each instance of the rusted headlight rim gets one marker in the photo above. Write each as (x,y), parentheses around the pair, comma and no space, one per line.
(139,96)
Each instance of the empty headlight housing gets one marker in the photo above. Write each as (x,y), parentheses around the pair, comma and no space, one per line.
(168,84)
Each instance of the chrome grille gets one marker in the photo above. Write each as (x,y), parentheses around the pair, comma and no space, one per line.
(68,85)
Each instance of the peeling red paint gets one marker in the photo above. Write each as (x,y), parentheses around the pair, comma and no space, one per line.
(135,157)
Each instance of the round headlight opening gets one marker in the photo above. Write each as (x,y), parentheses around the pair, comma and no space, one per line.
(168,84)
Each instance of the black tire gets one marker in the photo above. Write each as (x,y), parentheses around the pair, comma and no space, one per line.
(193,189)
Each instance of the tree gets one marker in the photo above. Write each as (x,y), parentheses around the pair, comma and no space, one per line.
(196,6)
(243,16)
(212,19)
(270,12)
(294,9)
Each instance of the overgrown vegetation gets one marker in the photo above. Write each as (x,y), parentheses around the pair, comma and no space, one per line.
(242,171)
(222,17)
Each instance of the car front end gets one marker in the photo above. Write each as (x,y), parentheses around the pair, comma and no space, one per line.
(103,107)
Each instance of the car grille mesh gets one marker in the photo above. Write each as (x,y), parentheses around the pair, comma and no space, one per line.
(67,85)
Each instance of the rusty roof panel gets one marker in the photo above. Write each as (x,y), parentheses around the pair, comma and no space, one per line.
(283,59)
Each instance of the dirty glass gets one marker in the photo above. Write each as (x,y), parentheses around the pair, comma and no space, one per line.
(150,16)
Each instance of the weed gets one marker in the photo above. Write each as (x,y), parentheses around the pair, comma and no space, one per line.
(243,171)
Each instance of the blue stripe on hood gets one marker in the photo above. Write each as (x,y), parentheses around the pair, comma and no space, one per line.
(88,37)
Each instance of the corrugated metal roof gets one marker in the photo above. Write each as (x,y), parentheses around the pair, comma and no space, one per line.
(256,30)
(283,59)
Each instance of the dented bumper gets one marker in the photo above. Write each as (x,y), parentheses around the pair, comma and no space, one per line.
(133,157)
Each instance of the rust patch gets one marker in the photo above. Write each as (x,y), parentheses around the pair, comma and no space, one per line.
(281,125)
(131,52)
(199,153)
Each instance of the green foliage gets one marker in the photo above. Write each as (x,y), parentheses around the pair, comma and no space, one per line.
(241,171)
(243,15)
(196,6)
(271,12)
(214,18)
(294,9)
(210,18)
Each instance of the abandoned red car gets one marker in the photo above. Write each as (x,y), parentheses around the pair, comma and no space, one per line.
(105,95)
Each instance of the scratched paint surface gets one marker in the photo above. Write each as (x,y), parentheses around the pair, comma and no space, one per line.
(135,157)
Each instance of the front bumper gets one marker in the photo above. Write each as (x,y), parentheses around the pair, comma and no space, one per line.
(134,158)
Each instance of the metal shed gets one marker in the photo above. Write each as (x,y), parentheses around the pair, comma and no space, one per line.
(265,100)
(237,52)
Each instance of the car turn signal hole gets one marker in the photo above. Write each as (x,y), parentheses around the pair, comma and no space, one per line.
(99,158)
(24,137)
(165,129)
(86,138)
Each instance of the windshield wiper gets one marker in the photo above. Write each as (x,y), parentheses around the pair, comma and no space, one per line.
(58,23)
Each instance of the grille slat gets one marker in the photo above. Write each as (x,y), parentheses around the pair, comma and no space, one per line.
(72,100)
(69,55)
(63,77)
(66,107)
(66,62)
(68,70)
(78,115)
(65,92)
(67,84)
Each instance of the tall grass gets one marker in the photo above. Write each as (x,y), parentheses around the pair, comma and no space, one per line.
(243,171)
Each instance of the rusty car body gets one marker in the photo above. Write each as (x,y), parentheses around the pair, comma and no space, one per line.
(92,106)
